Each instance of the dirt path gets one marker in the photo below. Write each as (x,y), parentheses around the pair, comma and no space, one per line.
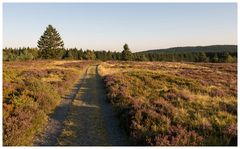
(55,125)
(90,120)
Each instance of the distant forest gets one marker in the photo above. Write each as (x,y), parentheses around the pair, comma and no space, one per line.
(215,53)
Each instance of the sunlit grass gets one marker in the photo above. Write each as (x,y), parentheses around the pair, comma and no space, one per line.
(31,91)
(155,99)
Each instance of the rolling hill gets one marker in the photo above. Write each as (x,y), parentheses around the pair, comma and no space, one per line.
(208,49)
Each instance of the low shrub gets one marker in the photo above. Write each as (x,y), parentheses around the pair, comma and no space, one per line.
(174,104)
(29,97)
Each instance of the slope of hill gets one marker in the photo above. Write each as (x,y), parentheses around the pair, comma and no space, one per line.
(211,49)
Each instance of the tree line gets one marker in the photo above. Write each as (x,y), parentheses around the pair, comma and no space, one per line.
(51,46)
(11,54)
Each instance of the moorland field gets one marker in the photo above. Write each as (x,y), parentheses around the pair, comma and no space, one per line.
(169,103)
(31,91)
(156,103)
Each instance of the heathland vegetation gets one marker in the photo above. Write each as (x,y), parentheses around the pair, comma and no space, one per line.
(162,103)
(31,91)
(178,102)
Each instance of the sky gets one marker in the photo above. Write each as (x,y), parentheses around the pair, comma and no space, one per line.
(108,26)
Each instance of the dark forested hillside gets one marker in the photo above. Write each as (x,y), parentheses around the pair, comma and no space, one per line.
(213,48)
(214,53)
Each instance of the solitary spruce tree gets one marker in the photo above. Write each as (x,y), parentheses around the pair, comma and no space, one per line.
(126,53)
(50,44)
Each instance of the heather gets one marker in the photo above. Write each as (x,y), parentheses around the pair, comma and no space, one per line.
(31,91)
(174,104)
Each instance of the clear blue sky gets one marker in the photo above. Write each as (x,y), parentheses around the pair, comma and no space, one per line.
(106,26)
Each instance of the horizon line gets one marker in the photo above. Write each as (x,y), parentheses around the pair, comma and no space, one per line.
(130,47)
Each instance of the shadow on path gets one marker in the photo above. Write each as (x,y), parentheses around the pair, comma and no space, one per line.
(55,125)
(91,120)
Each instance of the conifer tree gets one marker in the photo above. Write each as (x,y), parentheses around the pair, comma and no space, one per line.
(126,53)
(51,44)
